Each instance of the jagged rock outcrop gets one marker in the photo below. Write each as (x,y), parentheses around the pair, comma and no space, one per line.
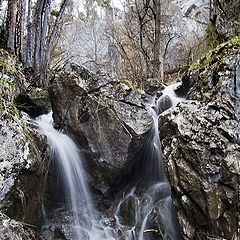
(107,118)
(12,229)
(23,164)
(202,149)
(23,159)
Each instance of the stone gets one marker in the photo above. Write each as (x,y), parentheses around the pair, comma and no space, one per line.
(152,85)
(196,156)
(201,148)
(23,159)
(108,121)
(164,103)
(12,229)
(128,211)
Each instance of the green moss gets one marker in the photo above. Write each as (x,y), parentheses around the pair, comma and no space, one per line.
(213,56)
(7,92)
(211,37)
(54,13)
(235,40)
(128,83)
(132,86)
(2,64)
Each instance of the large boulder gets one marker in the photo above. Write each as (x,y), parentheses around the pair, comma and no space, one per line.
(202,149)
(106,118)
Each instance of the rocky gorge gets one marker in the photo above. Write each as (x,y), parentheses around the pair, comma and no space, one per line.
(109,122)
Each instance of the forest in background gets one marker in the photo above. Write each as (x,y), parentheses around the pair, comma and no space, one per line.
(144,39)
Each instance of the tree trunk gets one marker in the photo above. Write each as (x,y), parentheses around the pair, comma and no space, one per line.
(43,42)
(210,9)
(21,12)
(29,41)
(45,27)
(11,24)
(38,32)
(156,47)
(49,45)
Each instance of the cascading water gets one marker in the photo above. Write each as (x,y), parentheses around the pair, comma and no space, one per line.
(150,197)
(86,222)
(150,172)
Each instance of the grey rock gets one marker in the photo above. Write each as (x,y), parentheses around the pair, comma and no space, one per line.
(219,86)
(23,159)
(202,162)
(23,164)
(152,85)
(12,229)
(108,122)
(128,211)
(164,103)
(227,17)
(202,150)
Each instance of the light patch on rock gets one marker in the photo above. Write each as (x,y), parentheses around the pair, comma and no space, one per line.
(14,154)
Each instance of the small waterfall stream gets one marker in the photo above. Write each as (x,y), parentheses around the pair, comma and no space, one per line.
(157,196)
(86,221)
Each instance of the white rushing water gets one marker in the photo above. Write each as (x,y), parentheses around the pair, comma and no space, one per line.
(157,195)
(86,222)
(169,91)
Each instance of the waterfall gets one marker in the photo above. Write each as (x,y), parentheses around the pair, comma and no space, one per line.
(156,197)
(148,198)
(86,221)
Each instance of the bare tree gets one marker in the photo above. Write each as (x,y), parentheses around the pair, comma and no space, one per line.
(146,36)
(45,35)
(40,11)
(49,44)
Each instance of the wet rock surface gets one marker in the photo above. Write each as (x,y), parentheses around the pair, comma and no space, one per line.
(202,150)
(106,117)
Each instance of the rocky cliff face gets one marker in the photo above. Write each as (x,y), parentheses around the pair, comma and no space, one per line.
(202,149)
(227,17)
(23,160)
(105,117)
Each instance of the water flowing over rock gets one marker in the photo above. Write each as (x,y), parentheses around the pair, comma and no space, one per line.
(84,220)
(147,212)
(202,149)
(104,116)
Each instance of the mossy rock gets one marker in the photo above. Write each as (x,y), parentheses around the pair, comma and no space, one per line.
(132,86)
(215,55)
